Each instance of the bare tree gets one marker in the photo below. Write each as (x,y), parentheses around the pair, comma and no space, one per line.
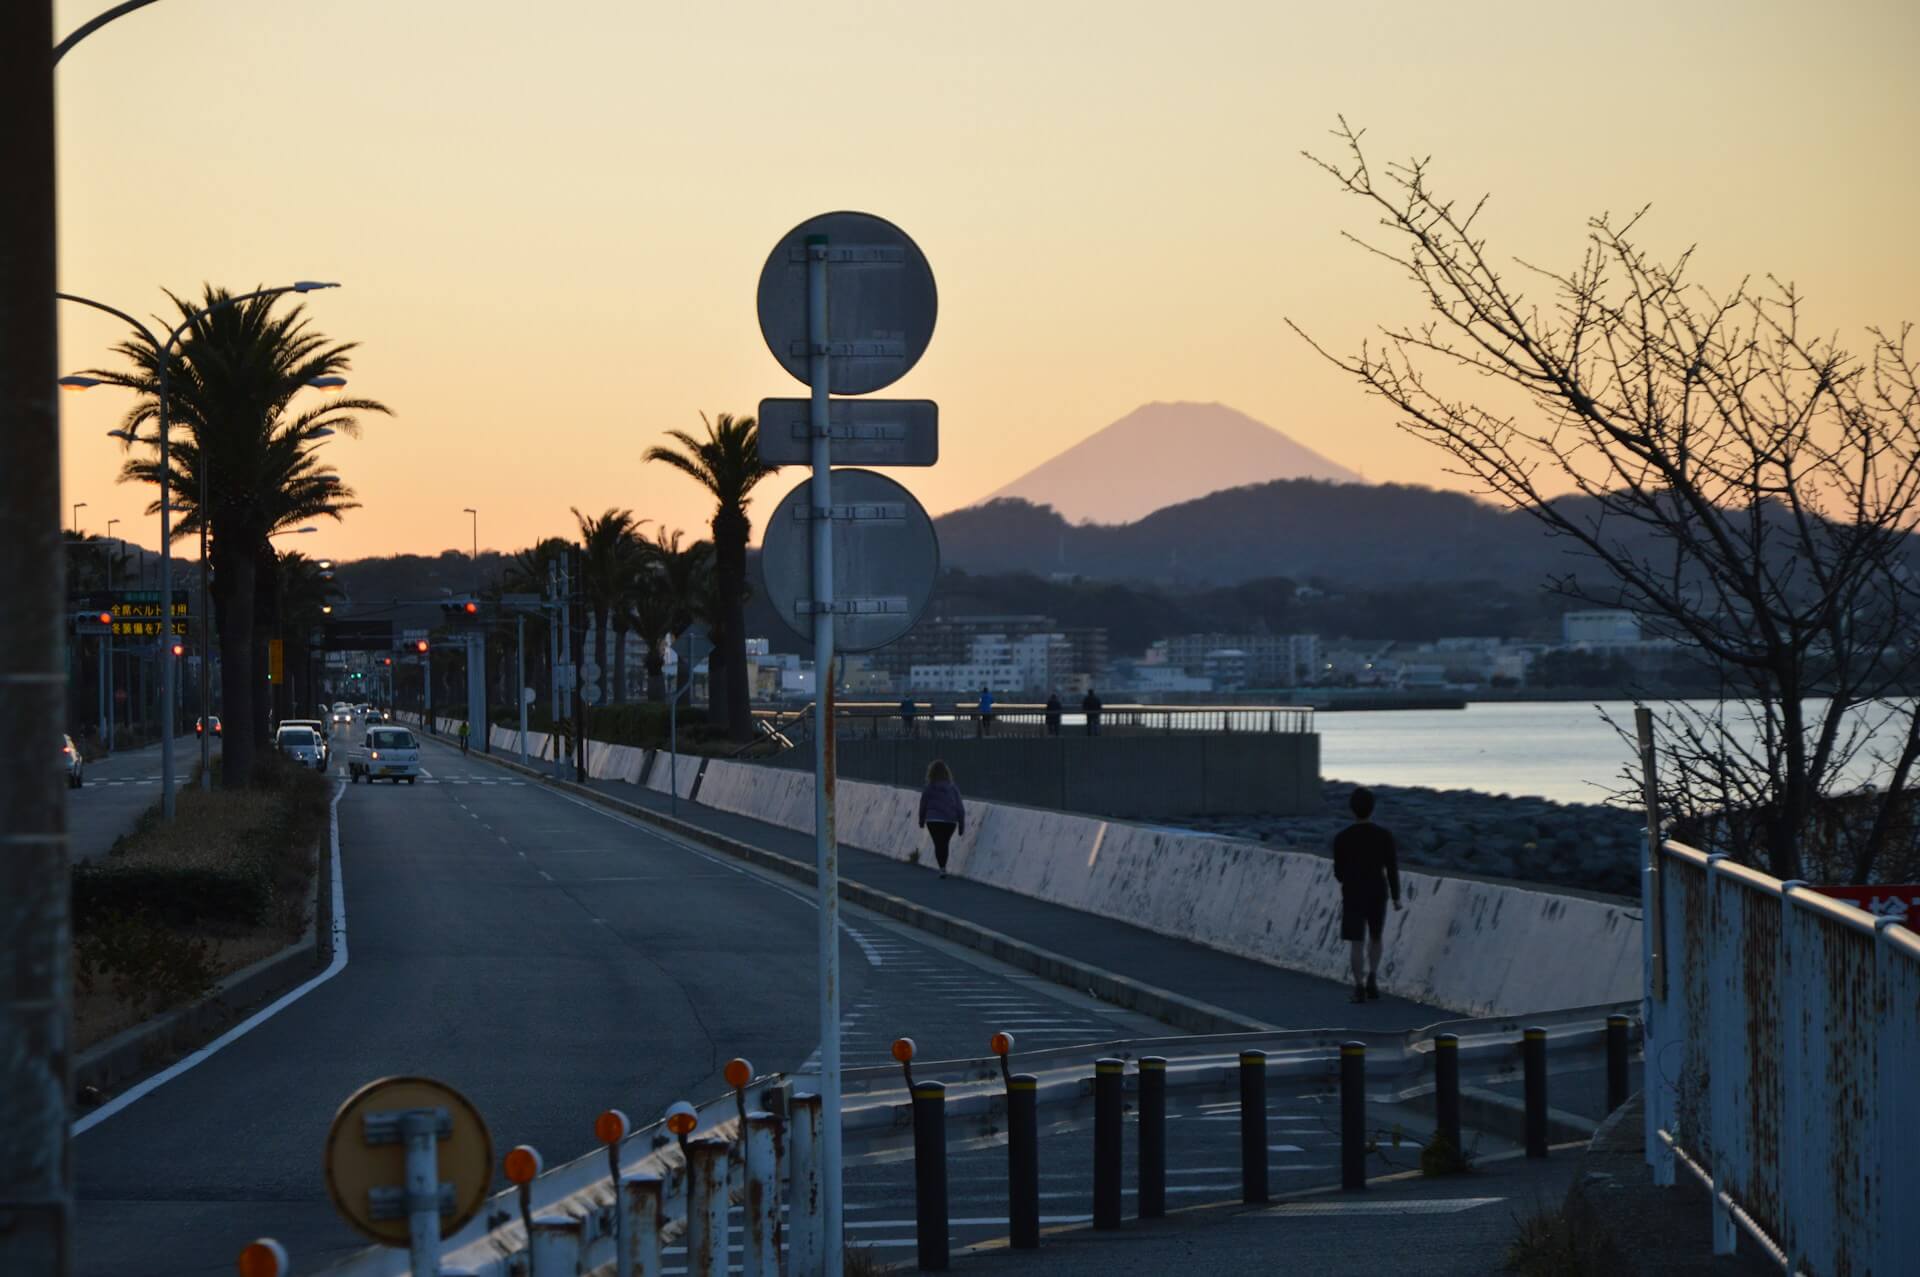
(1749,489)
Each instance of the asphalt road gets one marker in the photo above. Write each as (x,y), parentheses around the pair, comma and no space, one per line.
(116,790)
(547,958)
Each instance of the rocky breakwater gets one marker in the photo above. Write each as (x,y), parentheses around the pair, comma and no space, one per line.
(1586,846)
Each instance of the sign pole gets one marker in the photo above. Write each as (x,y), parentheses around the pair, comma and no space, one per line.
(825,845)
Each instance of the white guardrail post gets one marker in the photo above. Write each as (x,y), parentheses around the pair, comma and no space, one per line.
(805,1244)
(640,1220)
(760,1197)
(707,1208)
(555,1246)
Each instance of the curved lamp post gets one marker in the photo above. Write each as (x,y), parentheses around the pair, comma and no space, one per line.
(164,352)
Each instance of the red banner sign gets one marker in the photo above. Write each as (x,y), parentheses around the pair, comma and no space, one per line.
(1892,900)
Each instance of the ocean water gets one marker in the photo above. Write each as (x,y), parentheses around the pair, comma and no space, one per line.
(1561,750)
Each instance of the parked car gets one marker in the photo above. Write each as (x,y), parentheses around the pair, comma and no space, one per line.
(200,725)
(385,752)
(302,744)
(71,760)
(319,727)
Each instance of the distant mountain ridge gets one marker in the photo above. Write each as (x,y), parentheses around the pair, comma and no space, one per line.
(1355,534)
(1163,453)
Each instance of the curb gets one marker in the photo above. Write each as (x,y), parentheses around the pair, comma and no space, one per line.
(133,1053)
(1160,1004)
(1496,1114)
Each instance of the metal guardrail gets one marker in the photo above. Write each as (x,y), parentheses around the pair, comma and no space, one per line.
(956,720)
(1783,1063)
(654,1190)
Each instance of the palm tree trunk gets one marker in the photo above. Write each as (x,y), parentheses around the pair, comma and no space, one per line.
(730,532)
(619,665)
(234,576)
(656,674)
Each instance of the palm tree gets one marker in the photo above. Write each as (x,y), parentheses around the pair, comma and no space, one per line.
(608,550)
(232,384)
(727,464)
(650,611)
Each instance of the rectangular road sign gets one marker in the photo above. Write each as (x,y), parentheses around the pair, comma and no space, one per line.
(865,432)
(358,636)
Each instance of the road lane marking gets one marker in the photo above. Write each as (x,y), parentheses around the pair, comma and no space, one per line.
(254,1021)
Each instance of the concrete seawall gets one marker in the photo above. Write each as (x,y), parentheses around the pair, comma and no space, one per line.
(1479,948)
(1132,777)
(1475,947)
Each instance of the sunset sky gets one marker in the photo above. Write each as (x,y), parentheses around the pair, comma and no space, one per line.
(550,218)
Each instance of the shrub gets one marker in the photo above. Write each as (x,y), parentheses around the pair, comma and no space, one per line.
(150,966)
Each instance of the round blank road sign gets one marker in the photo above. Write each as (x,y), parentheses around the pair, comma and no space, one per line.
(881,302)
(885,560)
(354,1167)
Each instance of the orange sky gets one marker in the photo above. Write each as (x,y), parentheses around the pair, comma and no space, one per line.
(550,219)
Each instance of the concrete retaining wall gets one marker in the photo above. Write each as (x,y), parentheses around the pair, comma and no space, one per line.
(1475,947)
(1131,777)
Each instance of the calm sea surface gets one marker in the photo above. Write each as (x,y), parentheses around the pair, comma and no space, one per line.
(1557,750)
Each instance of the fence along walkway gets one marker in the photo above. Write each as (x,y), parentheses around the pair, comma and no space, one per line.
(1783,1063)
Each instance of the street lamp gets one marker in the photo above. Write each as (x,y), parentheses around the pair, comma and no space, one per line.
(163,354)
(78,506)
(467,509)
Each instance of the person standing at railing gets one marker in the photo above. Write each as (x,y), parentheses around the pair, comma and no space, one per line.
(1367,866)
(986,711)
(1090,706)
(1054,709)
(907,710)
(942,813)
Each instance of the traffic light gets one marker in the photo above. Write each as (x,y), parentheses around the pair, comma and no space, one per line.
(386,660)
(469,607)
(179,649)
(420,646)
(106,619)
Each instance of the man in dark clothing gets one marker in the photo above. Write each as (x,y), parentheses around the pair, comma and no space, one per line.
(1368,869)
(907,710)
(1053,714)
(1090,706)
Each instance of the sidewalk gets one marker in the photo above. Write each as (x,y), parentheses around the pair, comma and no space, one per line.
(1251,990)
(1437,1227)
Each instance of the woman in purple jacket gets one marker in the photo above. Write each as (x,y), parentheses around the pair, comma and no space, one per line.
(942,814)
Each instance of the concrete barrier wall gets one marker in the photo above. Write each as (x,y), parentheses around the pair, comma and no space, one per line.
(666,774)
(1478,948)
(1131,777)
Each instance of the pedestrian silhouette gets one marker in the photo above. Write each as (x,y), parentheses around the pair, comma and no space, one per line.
(1367,867)
(942,813)
(1090,706)
(1053,714)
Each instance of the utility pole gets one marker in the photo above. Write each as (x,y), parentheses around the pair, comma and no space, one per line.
(578,639)
(36,1011)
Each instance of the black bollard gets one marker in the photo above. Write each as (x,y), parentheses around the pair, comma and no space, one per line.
(1153,1137)
(1353,1116)
(1109,1081)
(1253,1126)
(1446,1089)
(1533,1055)
(1023,1161)
(930,1173)
(1616,1061)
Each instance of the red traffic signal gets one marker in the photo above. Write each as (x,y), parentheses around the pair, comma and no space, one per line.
(470,607)
(105,618)
(386,660)
(179,649)
(419,645)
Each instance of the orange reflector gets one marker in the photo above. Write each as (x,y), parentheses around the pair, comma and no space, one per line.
(610,1127)
(903,1050)
(738,1072)
(522,1164)
(681,1118)
(263,1258)
(1001,1044)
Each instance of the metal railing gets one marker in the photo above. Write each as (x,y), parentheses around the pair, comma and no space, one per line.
(1783,1063)
(947,720)
(625,1203)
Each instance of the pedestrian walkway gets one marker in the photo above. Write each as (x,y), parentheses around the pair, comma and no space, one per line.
(1459,1225)
(1253,990)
